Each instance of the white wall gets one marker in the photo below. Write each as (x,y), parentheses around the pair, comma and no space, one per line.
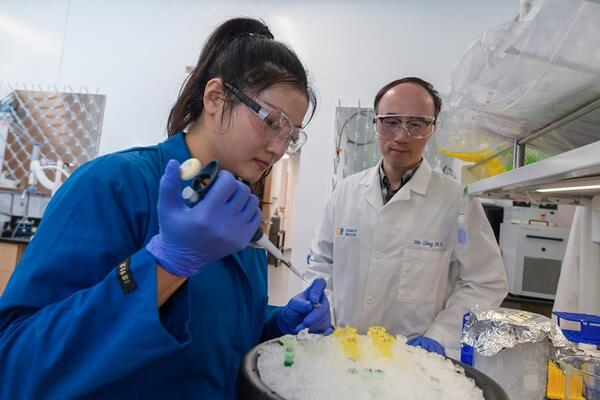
(135,52)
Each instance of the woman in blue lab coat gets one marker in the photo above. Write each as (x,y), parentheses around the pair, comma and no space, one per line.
(125,292)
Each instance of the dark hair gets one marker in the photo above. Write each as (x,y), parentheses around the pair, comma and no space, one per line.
(242,52)
(437,100)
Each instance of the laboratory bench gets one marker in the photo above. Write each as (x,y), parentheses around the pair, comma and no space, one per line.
(539,306)
(11,250)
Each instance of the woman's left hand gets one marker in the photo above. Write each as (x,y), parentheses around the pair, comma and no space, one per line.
(308,309)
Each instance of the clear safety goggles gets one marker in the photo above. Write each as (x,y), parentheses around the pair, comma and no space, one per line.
(417,126)
(278,127)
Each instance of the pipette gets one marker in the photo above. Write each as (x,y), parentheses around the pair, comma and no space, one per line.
(261,240)
(203,178)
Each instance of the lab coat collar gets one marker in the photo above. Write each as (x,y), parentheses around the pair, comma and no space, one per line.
(373,188)
(372,175)
(418,184)
(420,180)
(174,148)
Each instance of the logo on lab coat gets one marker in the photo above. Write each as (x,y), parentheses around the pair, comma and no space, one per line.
(342,231)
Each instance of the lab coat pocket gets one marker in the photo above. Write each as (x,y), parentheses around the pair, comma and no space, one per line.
(420,275)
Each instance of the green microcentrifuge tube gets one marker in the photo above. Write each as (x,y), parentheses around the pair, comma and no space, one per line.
(289,350)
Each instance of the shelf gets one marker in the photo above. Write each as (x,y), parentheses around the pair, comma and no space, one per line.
(578,167)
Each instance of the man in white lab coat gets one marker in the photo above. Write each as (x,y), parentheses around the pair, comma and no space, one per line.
(390,244)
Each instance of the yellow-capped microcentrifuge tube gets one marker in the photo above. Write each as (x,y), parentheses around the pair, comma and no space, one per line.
(384,345)
(381,340)
(350,344)
(349,339)
(376,331)
(351,330)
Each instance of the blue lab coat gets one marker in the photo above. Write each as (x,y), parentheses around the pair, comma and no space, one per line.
(71,327)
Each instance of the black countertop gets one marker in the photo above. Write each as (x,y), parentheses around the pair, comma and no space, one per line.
(528,300)
(16,240)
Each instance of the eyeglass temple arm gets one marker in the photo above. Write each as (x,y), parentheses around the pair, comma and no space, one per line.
(254,106)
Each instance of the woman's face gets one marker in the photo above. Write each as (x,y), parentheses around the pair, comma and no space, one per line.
(244,147)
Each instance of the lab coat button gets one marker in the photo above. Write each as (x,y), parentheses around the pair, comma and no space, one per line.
(370,300)
(378,256)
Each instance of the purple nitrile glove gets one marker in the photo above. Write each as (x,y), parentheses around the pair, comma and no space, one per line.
(219,225)
(428,344)
(308,309)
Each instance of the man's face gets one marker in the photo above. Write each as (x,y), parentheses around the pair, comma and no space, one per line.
(399,149)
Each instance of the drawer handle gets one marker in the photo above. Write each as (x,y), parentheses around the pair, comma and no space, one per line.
(545,238)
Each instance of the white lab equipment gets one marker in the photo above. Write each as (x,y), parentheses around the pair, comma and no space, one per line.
(532,257)
(578,286)
(37,172)
(524,213)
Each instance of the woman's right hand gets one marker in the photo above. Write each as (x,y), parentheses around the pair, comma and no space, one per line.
(219,225)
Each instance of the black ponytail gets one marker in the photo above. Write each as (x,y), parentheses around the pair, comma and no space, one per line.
(243,52)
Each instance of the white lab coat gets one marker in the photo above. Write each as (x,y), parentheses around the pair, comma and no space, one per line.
(399,265)
(577,289)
